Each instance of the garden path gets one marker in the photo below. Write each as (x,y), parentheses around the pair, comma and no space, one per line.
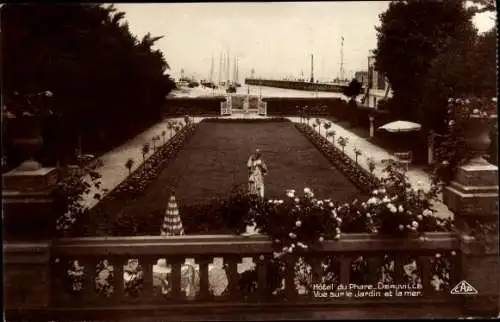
(113,170)
(416,175)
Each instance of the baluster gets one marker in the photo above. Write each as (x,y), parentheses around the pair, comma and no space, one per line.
(118,281)
(290,290)
(424,263)
(317,271)
(399,261)
(204,283)
(262,276)
(89,267)
(374,264)
(233,276)
(345,269)
(147,263)
(176,278)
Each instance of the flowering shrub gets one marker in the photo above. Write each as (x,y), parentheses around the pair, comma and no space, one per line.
(68,195)
(395,210)
(363,179)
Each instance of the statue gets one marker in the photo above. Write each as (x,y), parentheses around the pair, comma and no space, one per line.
(257,169)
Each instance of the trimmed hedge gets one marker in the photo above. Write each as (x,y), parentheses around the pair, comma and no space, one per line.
(194,106)
(243,120)
(362,178)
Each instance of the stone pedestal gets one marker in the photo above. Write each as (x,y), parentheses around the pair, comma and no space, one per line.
(27,204)
(372,127)
(27,280)
(473,198)
(29,226)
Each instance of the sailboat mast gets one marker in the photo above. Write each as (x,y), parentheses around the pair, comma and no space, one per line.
(212,70)
(220,67)
(228,70)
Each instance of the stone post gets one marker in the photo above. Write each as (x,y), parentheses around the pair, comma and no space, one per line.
(29,226)
(372,126)
(430,148)
(473,198)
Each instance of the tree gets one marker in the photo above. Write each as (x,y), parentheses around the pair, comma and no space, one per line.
(327,126)
(332,134)
(342,141)
(129,164)
(145,151)
(411,35)
(353,89)
(61,46)
(357,153)
(318,124)
(163,134)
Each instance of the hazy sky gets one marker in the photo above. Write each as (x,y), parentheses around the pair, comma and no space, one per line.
(276,39)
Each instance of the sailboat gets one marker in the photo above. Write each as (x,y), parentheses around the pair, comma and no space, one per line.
(210,82)
(235,82)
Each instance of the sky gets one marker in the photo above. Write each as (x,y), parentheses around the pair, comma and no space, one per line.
(274,39)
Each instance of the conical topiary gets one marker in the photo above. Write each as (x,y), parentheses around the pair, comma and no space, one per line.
(172,224)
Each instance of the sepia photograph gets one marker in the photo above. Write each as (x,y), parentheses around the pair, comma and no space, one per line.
(223,161)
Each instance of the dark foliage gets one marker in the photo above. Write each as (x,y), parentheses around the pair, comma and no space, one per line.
(96,69)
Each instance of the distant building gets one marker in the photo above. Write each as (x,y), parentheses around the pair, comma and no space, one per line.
(362,77)
(377,89)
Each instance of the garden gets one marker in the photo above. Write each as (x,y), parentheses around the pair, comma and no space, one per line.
(204,165)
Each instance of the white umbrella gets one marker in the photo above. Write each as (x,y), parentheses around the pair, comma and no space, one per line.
(401,126)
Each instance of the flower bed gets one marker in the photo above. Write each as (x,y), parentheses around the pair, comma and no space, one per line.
(137,182)
(245,120)
(363,179)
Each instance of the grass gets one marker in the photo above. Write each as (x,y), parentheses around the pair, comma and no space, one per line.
(214,162)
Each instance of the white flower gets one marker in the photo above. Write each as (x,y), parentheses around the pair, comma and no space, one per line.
(467,101)
(290,193)
(371,201)
(382,190)
(386,199)
(339,220)
(368,215)
(420,217)
(427,212)
(320,202)
(321,239)
(334,213)
(494,99)
(375,230)
(337,237)
(363,204)
(450,100)
(375,192)
(337,230)
(400,208)
(414,224)
(401,227)
(297,200)
(421,238)
(280,202)
(453,253)
(393,209)
(270,201)
(451,123)
(438,255)
(292,235)
(307,191)
(330,204)
(298,223)
(475,111)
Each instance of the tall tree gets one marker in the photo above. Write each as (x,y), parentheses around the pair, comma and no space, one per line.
(411,35)
(97,70)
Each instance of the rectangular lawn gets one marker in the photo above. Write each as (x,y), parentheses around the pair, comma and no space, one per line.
(214,162)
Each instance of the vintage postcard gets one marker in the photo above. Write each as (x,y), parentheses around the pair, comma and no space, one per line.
(249,160)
